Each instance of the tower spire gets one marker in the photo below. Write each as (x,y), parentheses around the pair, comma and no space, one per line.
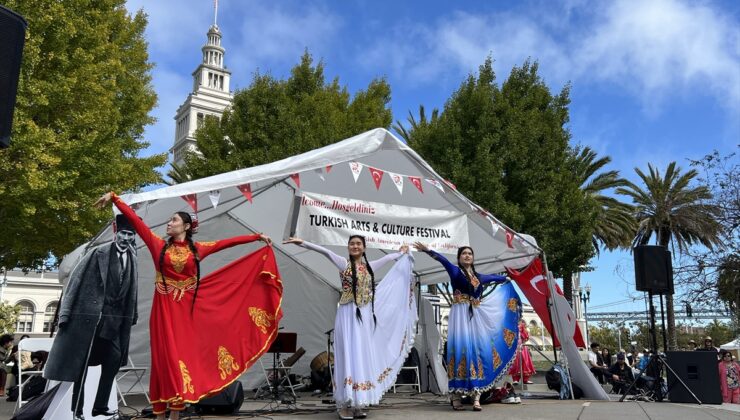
(215,12)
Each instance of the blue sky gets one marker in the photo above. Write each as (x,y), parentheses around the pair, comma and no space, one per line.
(652,82)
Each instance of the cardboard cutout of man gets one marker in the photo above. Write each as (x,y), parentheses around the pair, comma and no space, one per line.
(98,308)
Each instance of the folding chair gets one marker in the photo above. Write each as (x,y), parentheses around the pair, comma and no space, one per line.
(416,384)
(29,344)
(135,376)
(279,374)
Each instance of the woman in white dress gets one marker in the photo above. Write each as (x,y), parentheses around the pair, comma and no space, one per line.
(374,328)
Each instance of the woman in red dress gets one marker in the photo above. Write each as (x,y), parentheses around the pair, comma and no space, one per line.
(198,344)
(523,358)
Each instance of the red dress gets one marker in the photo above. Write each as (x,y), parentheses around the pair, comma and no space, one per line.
(523,358)
(234,320)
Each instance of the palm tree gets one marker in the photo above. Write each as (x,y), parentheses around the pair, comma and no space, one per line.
(676,213)
(615,224)
(415,125)
(177,174)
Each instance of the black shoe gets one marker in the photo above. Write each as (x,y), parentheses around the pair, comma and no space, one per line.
(102,412)
(79,417)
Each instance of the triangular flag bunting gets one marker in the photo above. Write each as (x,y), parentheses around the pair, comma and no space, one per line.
(397,180)
(494,227)
(356,168)
(192,200)
(509,238)
(297,179)
(450,184)
(328,168)
(417,183)
(377,176)
(320,173)
(436,184)
(246,190)
(215,196)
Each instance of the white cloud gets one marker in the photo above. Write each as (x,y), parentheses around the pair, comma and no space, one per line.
(653,50)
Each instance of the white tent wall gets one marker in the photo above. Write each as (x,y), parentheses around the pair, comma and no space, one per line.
(311,284)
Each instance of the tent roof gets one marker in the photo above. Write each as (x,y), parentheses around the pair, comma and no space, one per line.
(274,191)
(732,345)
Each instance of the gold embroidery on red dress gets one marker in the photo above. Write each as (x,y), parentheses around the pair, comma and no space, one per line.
(178,256)
(187,385)
(226,362)
(261,318)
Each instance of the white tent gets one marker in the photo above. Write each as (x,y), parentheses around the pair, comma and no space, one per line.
(311,285)
(732,345)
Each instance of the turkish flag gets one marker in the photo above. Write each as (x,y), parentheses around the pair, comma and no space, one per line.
(417,183)
(246,190)
(192,200)
(377,176)
(297,179)
(533,283)
(509,238)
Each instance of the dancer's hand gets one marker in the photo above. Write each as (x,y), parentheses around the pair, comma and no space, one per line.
(404,249)
(266,239)
(292,240)
(421,247)
(103,201)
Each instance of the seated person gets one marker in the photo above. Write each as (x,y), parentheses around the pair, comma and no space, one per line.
(621,375)
(596,363)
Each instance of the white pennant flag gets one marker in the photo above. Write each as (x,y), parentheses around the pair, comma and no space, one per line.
(436,184)
(215,196)
(397,180)
(356,168)
(320,173)
(494,226)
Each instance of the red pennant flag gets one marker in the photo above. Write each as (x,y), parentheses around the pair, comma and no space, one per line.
(450,184)
(533,283)
(246,190)
(417,183)
(192,200)
(377,176)
(509,238)
(328,168)
(297,179)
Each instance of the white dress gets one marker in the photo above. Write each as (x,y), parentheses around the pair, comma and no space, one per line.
(368,356)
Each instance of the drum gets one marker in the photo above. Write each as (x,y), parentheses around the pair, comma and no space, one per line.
(322,361)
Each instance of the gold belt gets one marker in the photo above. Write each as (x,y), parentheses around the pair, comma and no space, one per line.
(176,287)
(467,299)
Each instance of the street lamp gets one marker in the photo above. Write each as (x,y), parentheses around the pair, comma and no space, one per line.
(585,295)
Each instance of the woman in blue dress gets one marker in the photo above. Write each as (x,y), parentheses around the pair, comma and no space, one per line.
(482,336)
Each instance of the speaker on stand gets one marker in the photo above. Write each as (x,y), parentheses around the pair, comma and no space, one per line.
(12,37)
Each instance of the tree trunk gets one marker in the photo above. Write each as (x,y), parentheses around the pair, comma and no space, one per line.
(664,240)
(568,288)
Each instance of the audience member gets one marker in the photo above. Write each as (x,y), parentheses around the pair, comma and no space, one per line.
(606,357)
(6,344)
(596,363)
(622,376)
(692,345)
(729,378)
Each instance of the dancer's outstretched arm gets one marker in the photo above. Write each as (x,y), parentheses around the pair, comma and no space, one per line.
(338,261)
(452,270)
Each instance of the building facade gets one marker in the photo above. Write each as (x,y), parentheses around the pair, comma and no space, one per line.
(37,293)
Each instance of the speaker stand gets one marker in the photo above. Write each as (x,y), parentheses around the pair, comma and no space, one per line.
(656,360)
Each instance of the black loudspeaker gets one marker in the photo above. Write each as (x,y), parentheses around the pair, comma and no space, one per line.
(653,269)
(12,37)
(698,370)
(227,402)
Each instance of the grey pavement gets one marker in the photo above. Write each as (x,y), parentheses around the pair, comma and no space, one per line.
(536,404)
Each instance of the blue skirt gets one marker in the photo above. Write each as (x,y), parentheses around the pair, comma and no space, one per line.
(481,348)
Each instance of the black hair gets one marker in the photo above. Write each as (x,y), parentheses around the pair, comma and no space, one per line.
(358,314)
(189,237)
(5,339)
(471,288)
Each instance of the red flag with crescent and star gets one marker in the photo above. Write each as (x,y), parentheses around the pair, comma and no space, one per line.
(533,284)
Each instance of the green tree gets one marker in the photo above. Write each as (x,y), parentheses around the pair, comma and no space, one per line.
(507,149)
(8,317)
(84,97)
(615,224)
(677,213)
(274,119)
(176,174)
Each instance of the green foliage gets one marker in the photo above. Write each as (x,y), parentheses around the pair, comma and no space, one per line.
(84,98)
(507,149)
(8,317)
(274,119)
(677,213)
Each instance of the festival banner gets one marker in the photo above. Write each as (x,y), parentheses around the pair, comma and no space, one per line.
(329,220)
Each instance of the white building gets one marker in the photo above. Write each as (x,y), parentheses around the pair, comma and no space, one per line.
(37,293)
(211,96)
